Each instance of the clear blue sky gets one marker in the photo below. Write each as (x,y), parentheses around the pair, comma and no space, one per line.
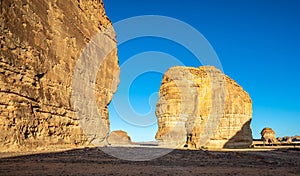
(257,42)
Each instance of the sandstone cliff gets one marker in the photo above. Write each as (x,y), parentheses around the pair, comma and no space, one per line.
(202,107)
(41,42)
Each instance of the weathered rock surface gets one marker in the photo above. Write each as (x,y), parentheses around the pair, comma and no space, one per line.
(119,137)
(41,42)
(268,135)
(202,107)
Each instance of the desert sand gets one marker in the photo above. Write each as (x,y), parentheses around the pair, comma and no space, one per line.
(93,161)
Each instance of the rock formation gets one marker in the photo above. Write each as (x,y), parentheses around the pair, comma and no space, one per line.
(41,42)
(268,135)
(119,137)
(202,107)
(296,138)
(288,139)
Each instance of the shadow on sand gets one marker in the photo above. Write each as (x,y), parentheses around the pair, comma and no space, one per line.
(93,161)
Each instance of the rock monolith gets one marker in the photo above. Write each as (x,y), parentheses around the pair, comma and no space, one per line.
(268,135)
(202,107)
(119,137)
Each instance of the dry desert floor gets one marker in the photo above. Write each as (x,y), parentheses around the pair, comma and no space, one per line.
(93,161)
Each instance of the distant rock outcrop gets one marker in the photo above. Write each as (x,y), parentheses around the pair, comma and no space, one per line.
(202,107)
(41,42)
(268,135)
(296,138)
(119,137)
(288,139)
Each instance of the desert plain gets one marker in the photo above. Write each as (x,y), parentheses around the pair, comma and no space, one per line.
(93,161)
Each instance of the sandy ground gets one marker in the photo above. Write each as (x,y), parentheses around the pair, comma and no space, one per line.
(93,161)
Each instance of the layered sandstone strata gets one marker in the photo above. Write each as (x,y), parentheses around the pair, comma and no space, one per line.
(202,107)
(41,45)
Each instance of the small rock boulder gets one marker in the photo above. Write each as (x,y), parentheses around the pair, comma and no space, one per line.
(268,135)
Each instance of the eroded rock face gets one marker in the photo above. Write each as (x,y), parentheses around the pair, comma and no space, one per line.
(41,42)
(268,135)
(202,107)
(119,137)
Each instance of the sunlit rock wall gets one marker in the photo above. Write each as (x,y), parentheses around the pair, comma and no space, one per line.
(41,42)
(202,107)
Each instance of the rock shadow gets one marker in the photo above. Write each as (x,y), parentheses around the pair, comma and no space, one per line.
(241,139)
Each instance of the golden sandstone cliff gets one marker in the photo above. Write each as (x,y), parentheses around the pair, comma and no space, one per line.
(41,42)
(202,107)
